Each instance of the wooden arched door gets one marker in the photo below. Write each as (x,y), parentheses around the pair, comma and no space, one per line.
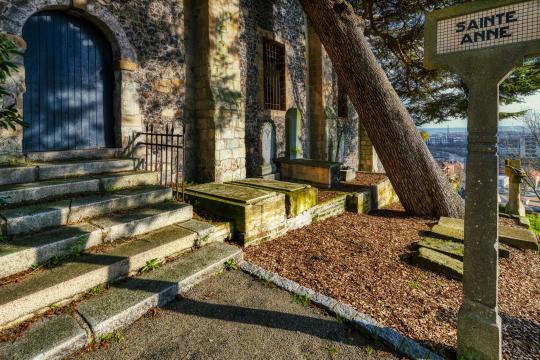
(68,102)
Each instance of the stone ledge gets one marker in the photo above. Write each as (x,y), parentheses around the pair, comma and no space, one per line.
(53,338)
(361,321)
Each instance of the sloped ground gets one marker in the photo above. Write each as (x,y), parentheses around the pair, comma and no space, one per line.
(234,316)
(364,260)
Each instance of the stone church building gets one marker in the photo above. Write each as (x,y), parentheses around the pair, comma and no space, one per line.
(96,72)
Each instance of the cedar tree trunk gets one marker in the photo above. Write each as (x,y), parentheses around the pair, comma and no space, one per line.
(422,187)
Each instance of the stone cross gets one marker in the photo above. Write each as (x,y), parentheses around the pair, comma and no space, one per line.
(515,205)
(482,41)
(267,149)
(293,145)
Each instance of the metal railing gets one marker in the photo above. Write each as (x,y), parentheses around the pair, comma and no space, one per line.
(162,155)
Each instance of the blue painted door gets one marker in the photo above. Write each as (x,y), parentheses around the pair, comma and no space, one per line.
(69,85)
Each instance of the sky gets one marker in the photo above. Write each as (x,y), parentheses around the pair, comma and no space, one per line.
(531,102)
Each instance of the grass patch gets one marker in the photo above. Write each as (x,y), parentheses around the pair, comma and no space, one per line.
(333,351)
(151,265)
(414,284)
(96,290)
(535,223)
(115,336)
(303,300)
(369,350)
(231,265)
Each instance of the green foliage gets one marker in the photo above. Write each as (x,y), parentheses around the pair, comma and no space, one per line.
(414,284)
(115,336)
(303,300)
(231,265)
(534,223)
(151,265)
(332,350)
(395,29)
(369,350)
(96,290)
(9,116)
(74,252)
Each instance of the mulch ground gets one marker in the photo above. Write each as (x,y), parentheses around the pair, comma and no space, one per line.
(364,260)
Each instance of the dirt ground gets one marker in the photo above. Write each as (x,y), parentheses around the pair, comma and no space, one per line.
(234,316)
(365,260)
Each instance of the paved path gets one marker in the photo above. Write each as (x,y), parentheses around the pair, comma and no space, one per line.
(234,316)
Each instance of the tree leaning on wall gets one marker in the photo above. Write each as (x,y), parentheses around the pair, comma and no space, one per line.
(422,187)
(9,116)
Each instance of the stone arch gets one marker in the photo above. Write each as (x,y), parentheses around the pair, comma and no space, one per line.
(14,19)
(127,113)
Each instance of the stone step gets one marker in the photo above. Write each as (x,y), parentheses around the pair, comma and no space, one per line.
(39,290)
(28,219)
(53,189)
(123,303)
(452,248)
(514,236)
(61,170)
(36,249)
(439,262)
(50,338)
(128,300)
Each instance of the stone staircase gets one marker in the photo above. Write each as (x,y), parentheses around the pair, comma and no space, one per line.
(70,227)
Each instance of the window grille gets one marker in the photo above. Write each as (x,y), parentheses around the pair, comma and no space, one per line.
(274,75)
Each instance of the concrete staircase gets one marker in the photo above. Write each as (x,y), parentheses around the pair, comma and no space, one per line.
(70,227)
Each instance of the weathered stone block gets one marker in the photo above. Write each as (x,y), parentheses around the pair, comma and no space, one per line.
(513,236)
(318,172)
(359,203)
(451,248)
(438,262)
(257,215)
(298,197)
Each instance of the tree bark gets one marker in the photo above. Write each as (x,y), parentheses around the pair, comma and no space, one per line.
(422,187)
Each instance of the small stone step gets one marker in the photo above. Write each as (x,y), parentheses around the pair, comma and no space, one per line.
(53,338)
(33,218)
(440,263)
(452,248)
(47,171)
(23,252)
(51,189)
(38,291)
(514,236)
(128,300)
(64,170)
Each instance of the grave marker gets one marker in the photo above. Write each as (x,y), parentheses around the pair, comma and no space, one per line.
(267,151)
(483,42)
(293,144)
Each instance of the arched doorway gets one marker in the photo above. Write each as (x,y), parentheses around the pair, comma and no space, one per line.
(68,102)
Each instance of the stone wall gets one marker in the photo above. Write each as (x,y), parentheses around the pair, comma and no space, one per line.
(147,41)
(283,21)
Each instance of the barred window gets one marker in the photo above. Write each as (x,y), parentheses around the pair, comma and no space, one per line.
(274,75)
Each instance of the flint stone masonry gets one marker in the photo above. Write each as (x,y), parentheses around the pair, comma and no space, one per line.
(255,213)
(318,172)
(298,197)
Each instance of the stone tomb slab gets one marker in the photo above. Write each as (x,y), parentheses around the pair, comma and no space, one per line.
(514,236)
(256,214)
(319,172)
(298,197)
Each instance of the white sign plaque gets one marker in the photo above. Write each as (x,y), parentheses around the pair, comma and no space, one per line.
(498,26)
